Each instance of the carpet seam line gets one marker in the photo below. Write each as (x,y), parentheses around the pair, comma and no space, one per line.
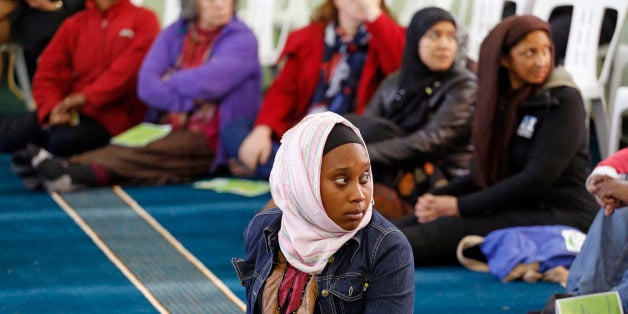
(108,252)
(179,247)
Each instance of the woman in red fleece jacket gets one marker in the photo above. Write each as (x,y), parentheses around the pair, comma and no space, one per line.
(335,63)
(85,83)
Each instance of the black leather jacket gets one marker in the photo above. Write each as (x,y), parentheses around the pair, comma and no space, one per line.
(445,137)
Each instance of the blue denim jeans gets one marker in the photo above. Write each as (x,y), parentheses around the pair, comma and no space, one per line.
(602,264)
(233,138)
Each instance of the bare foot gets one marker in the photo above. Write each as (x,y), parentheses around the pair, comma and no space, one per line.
(557,274)
(527,272)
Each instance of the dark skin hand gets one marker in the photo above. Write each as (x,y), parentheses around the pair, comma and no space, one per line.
(609,192)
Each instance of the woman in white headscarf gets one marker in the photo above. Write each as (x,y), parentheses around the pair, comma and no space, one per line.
(324,248)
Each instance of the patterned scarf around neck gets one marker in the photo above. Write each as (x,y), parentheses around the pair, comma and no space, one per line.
(340,71)
(197,46)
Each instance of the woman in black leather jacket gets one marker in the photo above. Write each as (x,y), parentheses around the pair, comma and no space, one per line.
(418,124)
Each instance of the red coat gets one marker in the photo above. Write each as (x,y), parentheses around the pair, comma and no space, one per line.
(617,161)
(287,100)
(98,53)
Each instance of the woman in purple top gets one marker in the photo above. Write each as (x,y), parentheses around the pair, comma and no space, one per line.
(230,74)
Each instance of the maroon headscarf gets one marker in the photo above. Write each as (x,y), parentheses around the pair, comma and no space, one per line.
(496,108)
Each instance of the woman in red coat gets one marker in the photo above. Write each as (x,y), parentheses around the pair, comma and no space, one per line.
(335,63)
(85,83)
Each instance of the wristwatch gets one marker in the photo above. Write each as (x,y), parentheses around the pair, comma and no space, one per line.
(59,4)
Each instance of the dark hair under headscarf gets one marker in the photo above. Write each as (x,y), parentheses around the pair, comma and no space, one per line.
(496,107)
(340,134)
(415,75)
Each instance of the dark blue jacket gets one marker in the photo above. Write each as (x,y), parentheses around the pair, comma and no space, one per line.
(372,273)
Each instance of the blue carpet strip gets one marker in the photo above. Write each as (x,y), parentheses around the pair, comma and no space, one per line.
(171,278)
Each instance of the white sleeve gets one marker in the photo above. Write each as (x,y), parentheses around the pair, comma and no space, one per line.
(603,170)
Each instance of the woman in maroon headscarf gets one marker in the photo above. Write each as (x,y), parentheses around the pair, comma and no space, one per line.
(531,149)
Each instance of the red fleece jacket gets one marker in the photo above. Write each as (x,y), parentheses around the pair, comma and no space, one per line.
(99,54)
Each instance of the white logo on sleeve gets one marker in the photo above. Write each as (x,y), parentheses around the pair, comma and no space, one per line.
(125,32)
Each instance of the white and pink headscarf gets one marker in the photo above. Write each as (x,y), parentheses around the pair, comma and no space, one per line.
(308,237)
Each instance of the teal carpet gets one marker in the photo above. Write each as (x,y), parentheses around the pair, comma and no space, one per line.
(150,257)
(49,265)
(210,226)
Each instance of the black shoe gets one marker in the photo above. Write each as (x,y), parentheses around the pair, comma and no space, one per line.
(21,164)
(60,176)
(21,160)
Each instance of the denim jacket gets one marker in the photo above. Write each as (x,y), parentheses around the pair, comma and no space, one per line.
(372,273)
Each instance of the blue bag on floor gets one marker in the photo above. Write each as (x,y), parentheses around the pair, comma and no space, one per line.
(550,246)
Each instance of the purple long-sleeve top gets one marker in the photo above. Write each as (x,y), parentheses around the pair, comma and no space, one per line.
(231,77)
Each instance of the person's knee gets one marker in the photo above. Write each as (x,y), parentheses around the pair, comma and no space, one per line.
(65,146)
(16,133)
(619,221)
(61,149)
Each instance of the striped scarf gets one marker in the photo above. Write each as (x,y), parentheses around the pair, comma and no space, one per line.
(307,237)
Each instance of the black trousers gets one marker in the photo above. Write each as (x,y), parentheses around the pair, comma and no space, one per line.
(61,141)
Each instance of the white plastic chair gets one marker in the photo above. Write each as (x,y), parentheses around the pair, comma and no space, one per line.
(620,104)
(617,74)
(485,14)
(289,15)
(581,58)
(258,15)
(172,9)
(264,17)
(411,6)
(522,6)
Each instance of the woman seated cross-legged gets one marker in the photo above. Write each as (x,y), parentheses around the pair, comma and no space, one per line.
(85,85)
(201,73)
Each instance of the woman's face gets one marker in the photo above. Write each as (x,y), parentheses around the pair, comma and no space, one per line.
(349,8)
(346,187)
(213,14)
(530,60)
(437,47)
(355,9)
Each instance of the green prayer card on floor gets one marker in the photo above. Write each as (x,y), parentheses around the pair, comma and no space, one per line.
(141,135)
(606,302)
(242,187)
